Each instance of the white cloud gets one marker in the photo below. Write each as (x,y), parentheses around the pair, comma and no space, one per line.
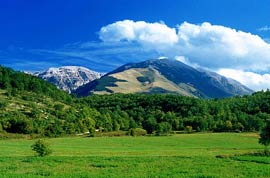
(216,46)
(152,35)
(162,57)
(211,46)
(182,59)
(265,28)
(250,79)
(186,61)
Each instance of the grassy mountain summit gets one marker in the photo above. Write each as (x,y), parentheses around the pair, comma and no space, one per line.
(164,76)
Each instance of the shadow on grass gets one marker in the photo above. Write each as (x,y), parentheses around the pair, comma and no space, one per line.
(261,157)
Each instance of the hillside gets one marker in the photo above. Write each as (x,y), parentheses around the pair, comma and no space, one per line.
(164,76)
(14,82)
(29,105)
(69,78)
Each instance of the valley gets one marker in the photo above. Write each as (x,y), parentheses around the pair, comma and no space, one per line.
(171,134)
(134,89)
(184,155)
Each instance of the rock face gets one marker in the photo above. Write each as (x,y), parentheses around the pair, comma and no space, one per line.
(69,78)
(164,76)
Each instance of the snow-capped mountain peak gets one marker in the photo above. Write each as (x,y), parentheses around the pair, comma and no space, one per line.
(69,78)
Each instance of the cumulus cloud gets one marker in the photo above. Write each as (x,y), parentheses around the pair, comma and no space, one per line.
(211,46)
(217,46)
(153,35)
(252,80)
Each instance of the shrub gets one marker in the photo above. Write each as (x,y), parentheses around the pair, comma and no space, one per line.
(41,148)
(3,104)
(137,132)
(265,136)
(188,129)
(92,132)
(1,128)
(59,107)
(163,128)
(119,133)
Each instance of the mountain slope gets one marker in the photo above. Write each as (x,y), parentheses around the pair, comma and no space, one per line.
(164,76)
(30,105)
(69,78)
(15,82)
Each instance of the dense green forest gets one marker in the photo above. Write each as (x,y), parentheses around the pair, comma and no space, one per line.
(162,113)
(30,105)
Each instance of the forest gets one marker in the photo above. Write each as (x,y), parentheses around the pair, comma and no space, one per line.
(29,105)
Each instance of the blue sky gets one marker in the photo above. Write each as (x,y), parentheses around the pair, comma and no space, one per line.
(38,34)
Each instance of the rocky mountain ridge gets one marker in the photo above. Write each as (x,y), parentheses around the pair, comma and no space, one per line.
(69,78)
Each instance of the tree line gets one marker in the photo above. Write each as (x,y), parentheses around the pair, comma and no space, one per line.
(163,113)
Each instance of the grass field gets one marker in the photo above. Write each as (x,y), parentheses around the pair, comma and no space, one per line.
(185,155)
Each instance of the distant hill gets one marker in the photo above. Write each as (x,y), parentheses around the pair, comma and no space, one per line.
(69,78)
(164,76)
(29,104)
(15,82)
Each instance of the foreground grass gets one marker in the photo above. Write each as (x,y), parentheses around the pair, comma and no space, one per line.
(187,155)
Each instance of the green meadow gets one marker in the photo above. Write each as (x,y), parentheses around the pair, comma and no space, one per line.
(182,155)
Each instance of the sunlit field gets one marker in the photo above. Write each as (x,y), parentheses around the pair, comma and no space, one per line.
(183,155)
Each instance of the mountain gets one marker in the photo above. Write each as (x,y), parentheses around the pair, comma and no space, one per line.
(69,78)
(30,105)
(164,76)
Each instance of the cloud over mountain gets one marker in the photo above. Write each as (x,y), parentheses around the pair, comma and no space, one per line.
(253,80)
(206,45)
(209,45)
(214,47)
